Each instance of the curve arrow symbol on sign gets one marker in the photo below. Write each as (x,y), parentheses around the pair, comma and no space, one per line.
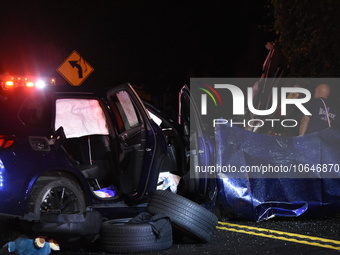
(74,64)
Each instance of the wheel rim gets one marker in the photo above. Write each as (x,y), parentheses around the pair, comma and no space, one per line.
(61,199)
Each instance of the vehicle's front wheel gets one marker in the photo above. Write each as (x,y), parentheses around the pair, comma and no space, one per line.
(57,194)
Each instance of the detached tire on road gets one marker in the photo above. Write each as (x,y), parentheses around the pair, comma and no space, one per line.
(122,236)
(188,217)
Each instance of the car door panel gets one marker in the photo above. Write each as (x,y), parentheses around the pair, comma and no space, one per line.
(132,139)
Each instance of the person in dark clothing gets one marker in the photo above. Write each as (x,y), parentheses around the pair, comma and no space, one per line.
(323,114)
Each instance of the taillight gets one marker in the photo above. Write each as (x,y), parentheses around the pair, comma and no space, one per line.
(6,141)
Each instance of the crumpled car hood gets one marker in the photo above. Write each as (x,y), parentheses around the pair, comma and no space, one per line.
(312,190)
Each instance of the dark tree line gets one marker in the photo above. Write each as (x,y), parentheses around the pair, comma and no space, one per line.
(308,34)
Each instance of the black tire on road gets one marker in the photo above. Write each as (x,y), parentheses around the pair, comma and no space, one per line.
(60,193)
(118,237)
(188,217)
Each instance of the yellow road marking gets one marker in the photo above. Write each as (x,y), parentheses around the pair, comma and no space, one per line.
(285,236)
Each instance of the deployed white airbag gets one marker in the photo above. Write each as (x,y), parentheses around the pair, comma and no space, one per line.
(80,117)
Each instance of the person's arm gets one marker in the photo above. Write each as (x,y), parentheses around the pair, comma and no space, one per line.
(304,125)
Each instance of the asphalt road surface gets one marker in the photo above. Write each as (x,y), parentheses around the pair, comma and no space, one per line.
(276,236)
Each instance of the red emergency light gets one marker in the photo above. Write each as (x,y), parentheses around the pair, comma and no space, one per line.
(9,85)
(11,82)
(29,84)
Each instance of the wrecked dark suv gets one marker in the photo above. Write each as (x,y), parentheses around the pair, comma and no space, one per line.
(69,150)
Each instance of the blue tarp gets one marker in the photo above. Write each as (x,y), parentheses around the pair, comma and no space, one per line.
(304,178)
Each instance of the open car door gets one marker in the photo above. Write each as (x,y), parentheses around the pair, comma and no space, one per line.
(136,141)
(199,148)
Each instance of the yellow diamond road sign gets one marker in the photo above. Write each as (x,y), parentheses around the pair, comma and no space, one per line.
(75,69)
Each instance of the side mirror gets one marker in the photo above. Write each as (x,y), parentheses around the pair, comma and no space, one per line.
(58,137)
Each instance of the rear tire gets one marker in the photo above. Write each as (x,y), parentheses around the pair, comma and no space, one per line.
(188,217)
(58,194)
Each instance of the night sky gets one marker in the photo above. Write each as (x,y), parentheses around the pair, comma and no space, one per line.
(157,42)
